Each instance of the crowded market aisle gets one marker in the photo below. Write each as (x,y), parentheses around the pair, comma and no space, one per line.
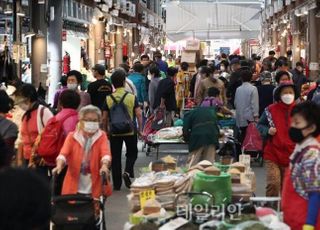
(117,208)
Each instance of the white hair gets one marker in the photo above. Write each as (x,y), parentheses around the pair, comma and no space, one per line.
(89,109)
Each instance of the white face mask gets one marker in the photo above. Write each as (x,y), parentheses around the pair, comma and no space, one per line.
(149,76)
(72,86)
(222,68)
(287,98)
(91,126)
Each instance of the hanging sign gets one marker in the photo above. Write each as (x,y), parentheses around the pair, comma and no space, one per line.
(314,66)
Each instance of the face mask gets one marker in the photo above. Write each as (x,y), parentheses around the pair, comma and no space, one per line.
(91,126)
(296,135)
(149,77)
(72,86)
(222,68)
(24,106)
(287,99)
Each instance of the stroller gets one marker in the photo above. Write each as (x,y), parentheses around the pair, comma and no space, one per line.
(77,212)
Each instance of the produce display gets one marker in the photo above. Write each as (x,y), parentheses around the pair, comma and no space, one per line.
(171,133)
(154,197)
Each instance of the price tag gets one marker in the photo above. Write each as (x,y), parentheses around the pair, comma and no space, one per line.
(146,195)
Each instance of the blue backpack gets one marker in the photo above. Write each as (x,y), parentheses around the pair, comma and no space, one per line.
(120,120)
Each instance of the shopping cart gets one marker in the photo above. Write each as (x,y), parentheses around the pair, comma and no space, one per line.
(77,212)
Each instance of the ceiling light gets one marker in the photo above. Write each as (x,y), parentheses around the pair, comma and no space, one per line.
(41,1)
(8,10)
(20,13)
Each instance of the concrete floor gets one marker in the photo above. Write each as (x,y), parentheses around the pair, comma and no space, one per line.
(117,209)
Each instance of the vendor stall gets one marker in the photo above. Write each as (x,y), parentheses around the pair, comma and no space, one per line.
(217,195)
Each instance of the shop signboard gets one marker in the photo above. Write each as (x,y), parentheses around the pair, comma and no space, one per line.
(193,45)
(314,66)
(189,57)
(145,196)
(64,35)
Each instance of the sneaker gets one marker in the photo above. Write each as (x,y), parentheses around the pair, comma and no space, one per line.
(127,180)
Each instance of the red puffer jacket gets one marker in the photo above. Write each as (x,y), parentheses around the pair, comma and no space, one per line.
(279,147)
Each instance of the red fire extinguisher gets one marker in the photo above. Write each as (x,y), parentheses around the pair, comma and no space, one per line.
(66,63)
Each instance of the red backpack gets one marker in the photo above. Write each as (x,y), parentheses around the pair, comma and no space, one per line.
(52,139)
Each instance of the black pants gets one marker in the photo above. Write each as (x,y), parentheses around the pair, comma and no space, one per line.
(131,157)
(242,134)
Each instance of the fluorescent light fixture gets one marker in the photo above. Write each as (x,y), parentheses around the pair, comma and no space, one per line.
(8,10)
(41,1)
(20,13)
(30,34)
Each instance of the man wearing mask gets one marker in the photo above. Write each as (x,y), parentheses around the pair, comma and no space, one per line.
(298,77)
(101,88)
(74,79)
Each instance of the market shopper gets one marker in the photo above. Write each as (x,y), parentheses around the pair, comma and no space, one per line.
(274,126)
(74,79)
(165,95)
(213,100)
(24,200)
(183,79)
(301,192)
(209,80)
(100,88)
(171,62)
(139,82)
(265,91)
(63,86)
(133,111)
(201,131)
(34,119)
(87,154)
(68,116)
(8,129)
(153,86)
(163,66)
(196,79)
(235,80)
(246,104)
(298,76)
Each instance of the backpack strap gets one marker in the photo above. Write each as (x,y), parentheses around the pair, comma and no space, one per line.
(121,100)
(124,96)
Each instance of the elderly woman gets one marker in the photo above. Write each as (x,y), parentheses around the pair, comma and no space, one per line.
(87,153)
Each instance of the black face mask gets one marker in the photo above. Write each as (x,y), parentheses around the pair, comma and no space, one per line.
(296,134)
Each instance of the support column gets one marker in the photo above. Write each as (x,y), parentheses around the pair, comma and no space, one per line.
(39,42)
(296,50)
(313,43)
(99,40)
(283,46)
(17,35)
(119,43)
(55,48)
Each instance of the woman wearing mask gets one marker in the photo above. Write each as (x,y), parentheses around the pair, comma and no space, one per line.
(87,154)
(301,192)
(34,119)
(8,129)
(74,79)
(274,126)
(154,74)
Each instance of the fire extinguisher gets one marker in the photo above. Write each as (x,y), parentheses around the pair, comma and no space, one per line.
(66,63)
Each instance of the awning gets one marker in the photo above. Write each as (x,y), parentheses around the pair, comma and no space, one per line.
(206,20)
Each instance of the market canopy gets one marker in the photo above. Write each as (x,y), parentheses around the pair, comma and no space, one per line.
(213,19)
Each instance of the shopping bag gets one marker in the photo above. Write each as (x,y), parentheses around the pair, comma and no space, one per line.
(159,121)
(253,140)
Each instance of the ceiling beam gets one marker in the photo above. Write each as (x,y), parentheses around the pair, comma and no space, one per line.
(234,2)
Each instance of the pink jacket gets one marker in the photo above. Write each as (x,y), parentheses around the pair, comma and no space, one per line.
(70,124)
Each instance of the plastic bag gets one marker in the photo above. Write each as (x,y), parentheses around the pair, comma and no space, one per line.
(253,140)
(218,186)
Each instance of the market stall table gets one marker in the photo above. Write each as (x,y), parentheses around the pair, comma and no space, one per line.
(180,147)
